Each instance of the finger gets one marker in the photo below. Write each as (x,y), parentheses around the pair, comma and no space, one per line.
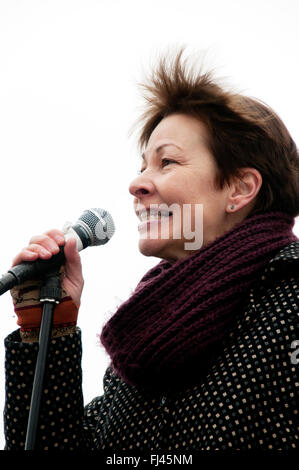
(24,255)
(42,252)
(46,242)
(31,253)
(57,235)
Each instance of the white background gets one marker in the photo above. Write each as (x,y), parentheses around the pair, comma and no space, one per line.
(68,98)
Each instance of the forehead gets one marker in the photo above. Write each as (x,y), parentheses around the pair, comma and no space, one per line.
(179,129)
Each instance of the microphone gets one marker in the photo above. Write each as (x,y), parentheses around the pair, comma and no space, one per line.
(94,227)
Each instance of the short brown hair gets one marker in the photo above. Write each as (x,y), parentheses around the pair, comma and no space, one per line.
(243,132)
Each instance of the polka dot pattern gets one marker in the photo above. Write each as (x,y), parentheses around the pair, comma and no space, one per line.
(62,404)
(247,400)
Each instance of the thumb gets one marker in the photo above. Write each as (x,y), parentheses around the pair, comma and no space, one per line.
(73,281)
(72,256)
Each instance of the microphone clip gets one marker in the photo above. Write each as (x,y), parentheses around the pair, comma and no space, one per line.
(51,290)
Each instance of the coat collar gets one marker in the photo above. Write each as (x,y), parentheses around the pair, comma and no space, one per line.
(284,259)
(288,253)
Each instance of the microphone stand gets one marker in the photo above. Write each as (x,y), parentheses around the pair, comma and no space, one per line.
(50,295)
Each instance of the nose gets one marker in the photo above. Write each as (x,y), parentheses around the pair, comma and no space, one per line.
(141,186)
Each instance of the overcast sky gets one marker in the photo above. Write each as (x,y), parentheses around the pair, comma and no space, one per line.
(68,98)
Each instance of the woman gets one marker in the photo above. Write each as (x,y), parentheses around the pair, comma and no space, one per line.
(200,353)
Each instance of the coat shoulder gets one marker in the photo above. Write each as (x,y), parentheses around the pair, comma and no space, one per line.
(288,254)
(283,265)
(281,273)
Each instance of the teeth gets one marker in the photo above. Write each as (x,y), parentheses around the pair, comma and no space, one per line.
(143,216)
(152,215)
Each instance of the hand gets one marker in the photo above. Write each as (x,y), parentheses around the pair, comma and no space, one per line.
(44,246)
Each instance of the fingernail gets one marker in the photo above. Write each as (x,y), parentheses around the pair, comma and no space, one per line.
(59,239)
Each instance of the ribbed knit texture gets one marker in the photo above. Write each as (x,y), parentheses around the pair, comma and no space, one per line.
(176,319)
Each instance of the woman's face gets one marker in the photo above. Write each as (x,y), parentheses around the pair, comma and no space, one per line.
(177,175)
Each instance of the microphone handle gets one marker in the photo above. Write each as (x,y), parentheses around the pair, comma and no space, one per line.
(7,282)
(30,270)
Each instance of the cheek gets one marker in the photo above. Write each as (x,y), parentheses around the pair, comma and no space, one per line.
(188,188)
(204,191)
(173,190)
(199,191)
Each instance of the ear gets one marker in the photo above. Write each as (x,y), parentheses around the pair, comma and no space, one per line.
(243,188)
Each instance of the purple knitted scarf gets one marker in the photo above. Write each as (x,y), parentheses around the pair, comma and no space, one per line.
(176,319)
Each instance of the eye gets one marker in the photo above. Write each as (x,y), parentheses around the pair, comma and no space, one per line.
(164,162)
(167,161)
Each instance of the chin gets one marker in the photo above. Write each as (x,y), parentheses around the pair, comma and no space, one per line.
(157,248)
(152,247)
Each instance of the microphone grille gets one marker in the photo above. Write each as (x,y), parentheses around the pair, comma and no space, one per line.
(99,224)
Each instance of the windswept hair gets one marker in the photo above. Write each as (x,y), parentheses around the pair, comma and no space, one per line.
(242,131)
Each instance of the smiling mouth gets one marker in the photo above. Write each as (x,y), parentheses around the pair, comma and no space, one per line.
(150,221)
(147,216)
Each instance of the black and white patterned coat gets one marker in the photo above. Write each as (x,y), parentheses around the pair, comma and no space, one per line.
(247,400)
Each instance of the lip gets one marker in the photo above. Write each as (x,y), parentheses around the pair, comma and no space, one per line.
(146,223)
(142,226)
(148,210)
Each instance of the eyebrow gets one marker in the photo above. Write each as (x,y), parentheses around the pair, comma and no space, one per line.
(158,149)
